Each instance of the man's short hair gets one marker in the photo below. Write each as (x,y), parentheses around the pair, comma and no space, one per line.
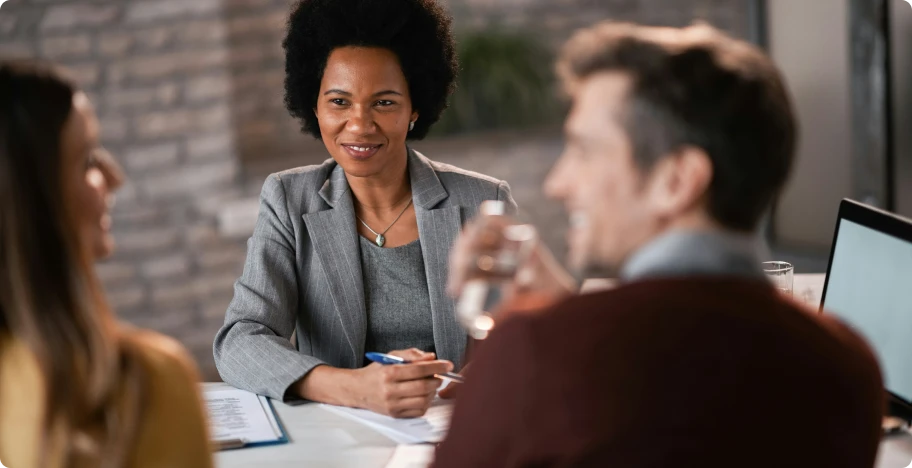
(698,87)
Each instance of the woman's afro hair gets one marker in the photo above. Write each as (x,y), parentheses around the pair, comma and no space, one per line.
(417,31)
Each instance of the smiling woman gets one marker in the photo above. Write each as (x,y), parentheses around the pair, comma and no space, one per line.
(76,389)
(351,255)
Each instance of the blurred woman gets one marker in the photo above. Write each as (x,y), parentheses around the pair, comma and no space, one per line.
(76,390)
(351,255)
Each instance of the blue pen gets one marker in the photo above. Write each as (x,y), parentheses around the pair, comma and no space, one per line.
(388,359)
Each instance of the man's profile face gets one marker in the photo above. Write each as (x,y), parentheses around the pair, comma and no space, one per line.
(604,192)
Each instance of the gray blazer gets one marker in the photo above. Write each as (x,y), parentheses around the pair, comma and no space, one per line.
(303,273)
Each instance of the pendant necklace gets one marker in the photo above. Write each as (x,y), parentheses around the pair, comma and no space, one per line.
(381,238)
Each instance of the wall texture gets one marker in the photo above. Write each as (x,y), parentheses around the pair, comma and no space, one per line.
(189,93)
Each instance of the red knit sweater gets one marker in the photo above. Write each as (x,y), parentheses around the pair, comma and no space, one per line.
(670,373)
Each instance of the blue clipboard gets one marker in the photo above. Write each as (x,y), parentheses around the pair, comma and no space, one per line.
(235,444)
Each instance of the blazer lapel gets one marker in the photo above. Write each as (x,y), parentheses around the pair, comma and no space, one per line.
(438,228)
(335,240)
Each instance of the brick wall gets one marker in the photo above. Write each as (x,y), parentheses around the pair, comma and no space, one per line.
(160,75)
(189,93)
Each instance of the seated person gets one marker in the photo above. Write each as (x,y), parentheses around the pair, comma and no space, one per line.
(677,142)
(350,256)
(75,388)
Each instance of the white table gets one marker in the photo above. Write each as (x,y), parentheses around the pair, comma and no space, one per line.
(319,439)
(322,439)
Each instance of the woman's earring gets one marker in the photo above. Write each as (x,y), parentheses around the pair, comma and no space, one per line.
(411,125)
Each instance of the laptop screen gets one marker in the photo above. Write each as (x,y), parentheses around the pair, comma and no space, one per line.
(869,287)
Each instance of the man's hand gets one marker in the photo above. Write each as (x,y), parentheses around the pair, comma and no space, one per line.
(539,274)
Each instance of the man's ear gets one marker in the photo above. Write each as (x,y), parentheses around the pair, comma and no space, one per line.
(680,180)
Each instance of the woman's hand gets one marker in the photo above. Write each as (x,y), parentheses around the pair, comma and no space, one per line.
(400,390)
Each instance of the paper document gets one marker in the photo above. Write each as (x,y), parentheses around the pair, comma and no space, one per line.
(432,427)
(412,456)
(238,414)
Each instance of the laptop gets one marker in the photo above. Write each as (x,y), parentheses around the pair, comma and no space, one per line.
(869,287)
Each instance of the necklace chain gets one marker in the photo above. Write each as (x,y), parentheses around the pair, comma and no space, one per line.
(381,238)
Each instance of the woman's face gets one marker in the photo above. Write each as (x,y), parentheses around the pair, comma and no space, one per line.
(364,110)
(90,177)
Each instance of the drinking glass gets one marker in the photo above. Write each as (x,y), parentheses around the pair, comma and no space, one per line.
(494,268)
(782,274)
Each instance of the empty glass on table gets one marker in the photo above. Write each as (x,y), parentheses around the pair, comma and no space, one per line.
(781,274)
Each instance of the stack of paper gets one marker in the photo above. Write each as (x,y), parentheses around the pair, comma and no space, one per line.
(430,428)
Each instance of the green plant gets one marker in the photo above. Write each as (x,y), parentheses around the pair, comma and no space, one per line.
(505,80)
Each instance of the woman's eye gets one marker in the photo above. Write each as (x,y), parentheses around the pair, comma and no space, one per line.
(337,101)
(384,103)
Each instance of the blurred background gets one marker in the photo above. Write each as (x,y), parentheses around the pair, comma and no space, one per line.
(189,93)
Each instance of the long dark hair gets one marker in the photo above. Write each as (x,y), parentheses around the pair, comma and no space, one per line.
(50,298)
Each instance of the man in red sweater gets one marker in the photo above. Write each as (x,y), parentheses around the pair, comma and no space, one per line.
(677,142)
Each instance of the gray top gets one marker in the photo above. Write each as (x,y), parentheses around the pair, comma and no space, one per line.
(696,253)
(397,298)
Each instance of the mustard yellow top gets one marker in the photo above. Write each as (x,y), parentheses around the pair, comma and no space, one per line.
(173,430)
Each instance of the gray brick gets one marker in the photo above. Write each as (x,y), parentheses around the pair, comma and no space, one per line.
(211,203)
(225,257)
(126,297)
(204,330)
(167,65)
(206,88)
(148,240)
(197,180)
(167,94)
(180,293)
(253,54)
(86,74)
(73,16)
(205,363)
(242,5)
(113,129)
(258,25)
(133,215)
(156,125)
(153,39)
(202,235)
(120,99)
(62,47)
(199,343)
(115,272)
(212,145)
(172,266)
(17,49)
(215,309)
(202,32)
(258,129)
(7,24)
(174,322)
(126,195)
(249,80)
(141,97)
(219,285)
(115,44)
(157,10)
(144,158)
